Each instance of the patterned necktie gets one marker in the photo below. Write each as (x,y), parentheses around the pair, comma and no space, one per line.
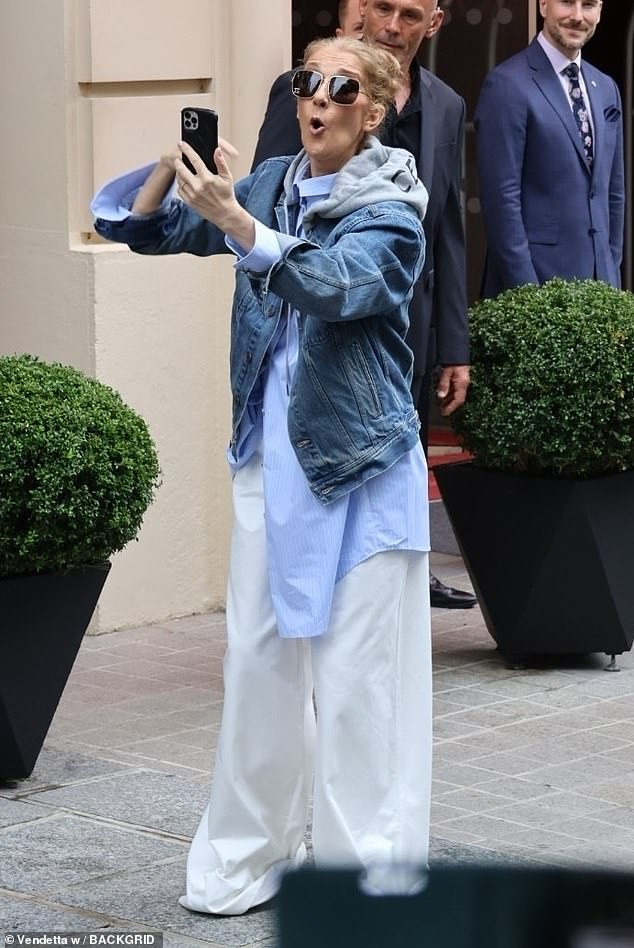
(580,110)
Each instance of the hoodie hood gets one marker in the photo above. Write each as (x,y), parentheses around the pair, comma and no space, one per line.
(376,174)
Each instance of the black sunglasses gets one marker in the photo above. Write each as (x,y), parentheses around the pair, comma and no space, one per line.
(343,90)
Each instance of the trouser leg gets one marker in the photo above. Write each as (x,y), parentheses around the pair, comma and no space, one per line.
(372,675)
(254,825)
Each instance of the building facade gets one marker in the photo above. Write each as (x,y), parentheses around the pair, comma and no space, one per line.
(93,87)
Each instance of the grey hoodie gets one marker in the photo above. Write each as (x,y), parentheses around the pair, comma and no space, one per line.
(376,174)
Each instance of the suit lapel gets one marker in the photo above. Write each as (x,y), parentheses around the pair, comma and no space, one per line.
(427,132)
(546,80)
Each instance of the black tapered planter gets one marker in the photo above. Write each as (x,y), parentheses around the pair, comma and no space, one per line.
(551,560)
(43,619)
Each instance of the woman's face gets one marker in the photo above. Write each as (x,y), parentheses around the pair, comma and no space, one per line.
(331,133)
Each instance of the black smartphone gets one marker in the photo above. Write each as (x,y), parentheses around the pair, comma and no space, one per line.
(199,128)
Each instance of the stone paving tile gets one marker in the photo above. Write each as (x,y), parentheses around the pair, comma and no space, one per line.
(508,764)
(459,836)
(200,716)
(443,851)
(617,815)
(180,699)
(461,774)
(592,829)
(56,768)
(574,747)
(157,801)
(514,788)
(490,717)
(198,774)
(14,812)
(615,793)
(474,800)
(24,915)
(172,748)
(487,741)
(622,729)
(516,685)
(444,708)
(586,772)
(448,729)
(463,677)
(440,813)
(44,855)
(551,810)
(540,728)
(506,853)
(587,720)
(440,787)
(567,698)
(151,898)
(199,760)
(458,752)
(90,716)
(158,728)
(491,831)
(469,698)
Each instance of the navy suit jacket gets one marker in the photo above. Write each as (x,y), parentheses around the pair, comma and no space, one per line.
(440,296)
(546,212)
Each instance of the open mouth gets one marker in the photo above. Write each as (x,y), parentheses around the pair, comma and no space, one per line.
(316,124)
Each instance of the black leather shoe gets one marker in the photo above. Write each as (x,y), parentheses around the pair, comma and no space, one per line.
(445,597)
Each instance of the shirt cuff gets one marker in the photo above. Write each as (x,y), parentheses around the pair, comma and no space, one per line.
(114,199)
(264,253)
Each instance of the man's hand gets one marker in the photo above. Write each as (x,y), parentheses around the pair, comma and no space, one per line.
(452,387)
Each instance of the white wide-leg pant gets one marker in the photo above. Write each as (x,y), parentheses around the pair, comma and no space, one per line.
(368,748)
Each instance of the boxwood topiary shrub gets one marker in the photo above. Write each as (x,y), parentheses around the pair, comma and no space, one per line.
(78,468)
(552,387)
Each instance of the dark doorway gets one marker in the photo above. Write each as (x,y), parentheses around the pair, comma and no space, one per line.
(311,19)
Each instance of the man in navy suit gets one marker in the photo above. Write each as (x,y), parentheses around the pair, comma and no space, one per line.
(428,120)
(550,158)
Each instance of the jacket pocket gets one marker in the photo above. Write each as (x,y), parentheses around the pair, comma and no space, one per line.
(368,385)
(543,233)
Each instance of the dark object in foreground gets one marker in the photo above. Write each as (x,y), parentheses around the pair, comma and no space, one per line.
(466,907)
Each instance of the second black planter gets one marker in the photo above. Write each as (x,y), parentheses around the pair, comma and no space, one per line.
(551,560)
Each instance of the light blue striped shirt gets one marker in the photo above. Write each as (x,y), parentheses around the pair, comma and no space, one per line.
(311,547)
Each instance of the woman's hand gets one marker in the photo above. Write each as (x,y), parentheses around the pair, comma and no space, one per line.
(158,183)
(212,195)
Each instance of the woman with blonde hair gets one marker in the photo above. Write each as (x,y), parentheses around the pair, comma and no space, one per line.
(327,669)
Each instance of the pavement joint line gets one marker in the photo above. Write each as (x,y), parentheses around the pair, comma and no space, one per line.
(62,812)
(83,781)
(115,874)
(111,920)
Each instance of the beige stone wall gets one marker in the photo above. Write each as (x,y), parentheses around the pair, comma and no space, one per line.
(90,88)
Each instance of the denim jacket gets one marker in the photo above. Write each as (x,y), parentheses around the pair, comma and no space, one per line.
(351,415)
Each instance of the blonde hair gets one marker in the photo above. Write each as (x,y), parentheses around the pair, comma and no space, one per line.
(381,71)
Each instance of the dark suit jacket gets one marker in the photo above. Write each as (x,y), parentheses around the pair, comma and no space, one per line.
(440,295)
(546,211)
